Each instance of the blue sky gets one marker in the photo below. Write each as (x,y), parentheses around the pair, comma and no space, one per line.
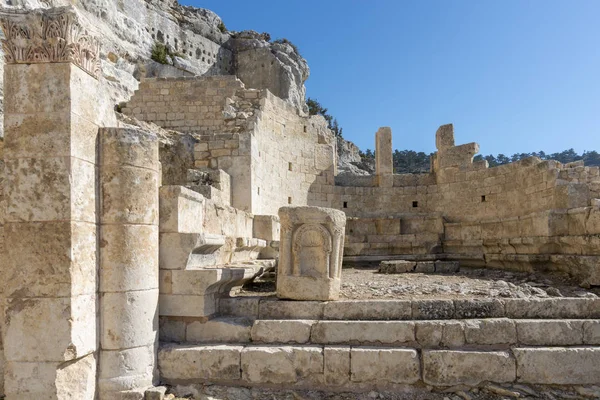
(514,76)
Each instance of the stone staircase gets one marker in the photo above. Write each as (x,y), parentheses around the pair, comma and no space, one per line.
(375,344)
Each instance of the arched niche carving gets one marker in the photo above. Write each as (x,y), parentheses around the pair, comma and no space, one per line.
(311,250)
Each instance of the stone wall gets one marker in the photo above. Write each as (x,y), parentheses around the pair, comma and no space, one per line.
(273,155)
(2,260)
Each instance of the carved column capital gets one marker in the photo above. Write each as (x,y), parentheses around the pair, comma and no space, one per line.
(49,36)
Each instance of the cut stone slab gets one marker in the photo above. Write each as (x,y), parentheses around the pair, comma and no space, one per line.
(220,362)
(282,331)
(558,365)
(363,332)
(550,332)
(384,365)
(396,266)
(281,365)
(449,368)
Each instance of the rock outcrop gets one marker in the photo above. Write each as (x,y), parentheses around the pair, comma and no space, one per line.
(197,39)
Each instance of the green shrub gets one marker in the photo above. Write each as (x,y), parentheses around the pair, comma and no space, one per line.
(222,27)
(285,41)
(160,53)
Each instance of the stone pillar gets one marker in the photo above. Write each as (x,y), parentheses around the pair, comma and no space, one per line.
(384,164)
(128,262)
(311,251)
(50,259)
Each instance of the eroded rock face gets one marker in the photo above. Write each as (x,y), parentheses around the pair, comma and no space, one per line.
(128,30)
(278,67)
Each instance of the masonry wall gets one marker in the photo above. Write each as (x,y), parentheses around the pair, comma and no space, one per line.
(290,156)
(2,260)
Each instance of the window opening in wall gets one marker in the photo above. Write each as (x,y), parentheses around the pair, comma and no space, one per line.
(345,204)
(258,190)
(415,204)
(483,198)
(290,166)
(304,128)
(289,200)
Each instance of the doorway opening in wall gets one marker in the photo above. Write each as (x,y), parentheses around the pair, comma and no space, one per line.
(415,204)
(483,198)
(289,166)
(289,200)
(345,204)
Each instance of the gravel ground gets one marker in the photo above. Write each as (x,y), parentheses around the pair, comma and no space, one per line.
(485,392)
(365,282)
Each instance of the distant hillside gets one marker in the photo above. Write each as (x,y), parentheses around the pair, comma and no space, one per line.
(412,162)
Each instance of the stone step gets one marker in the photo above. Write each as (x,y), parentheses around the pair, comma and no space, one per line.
(385,310)
(366,368)
(489,333)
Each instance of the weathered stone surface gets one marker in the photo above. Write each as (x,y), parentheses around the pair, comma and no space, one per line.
(126,369)
(549,332)
(479,308)
(220,330)
(28,322)
(181,210)
(337,365)
(396,267)
(368,310)
(282,309)
(282,331)
(448,368)
(363,332)
(312,246)
(199,362)
(446,267)
(129,319)
(384,365)
(280,365)
(155,393)
(552,308)
(240,306)
(490,331)
(432,334)
(591,332)
(432,309)
(558,365)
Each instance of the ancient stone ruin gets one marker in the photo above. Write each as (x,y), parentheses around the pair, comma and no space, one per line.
(127,231)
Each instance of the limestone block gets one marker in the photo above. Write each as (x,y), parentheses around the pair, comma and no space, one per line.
(363,332)
(479,308)
(281,309)
(396,266)
(433,309)
(49,259)
(445,267)
(431,334)
(155,393)
(282,331)
(383,152)
(127,369)
(552,308)
(425,267)
(181,210)
(220,330)
(591,332)
(50,189)
(490,331)
(444,137)
(311,252)
(449,368)
(132,147)
(280,365)
(129,319)
(129,195)
(550,332)
(384,365)
(187,305)
(72,321)
(266,227)
(52,380)
(171,330)
(189,250)
(220,362)
(571,195)
(129,258)
(240,306)
(337,365)
(368,310)
(558,365)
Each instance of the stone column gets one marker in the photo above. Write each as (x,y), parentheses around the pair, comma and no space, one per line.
(49,263)
(384,164)
(129,262)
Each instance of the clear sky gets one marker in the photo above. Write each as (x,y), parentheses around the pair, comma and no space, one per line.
(512,75)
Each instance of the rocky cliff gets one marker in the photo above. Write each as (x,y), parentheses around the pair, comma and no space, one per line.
(198,43)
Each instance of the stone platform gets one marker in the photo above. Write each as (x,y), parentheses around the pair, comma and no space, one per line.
(366,345)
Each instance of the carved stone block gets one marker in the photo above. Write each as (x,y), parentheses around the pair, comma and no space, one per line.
(311,252)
